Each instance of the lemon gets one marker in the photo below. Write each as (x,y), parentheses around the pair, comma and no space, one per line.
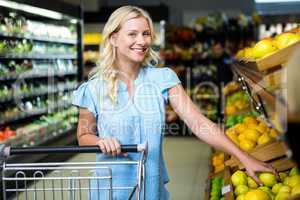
(282,196)
(257,194)
(263,48)
(252,126)
(292,180)
(241,189)
(249,120)
(262,127)
(276,187)
(239,178)
(267,179)
(296,189)
(247,145)
(264,139)
(242,137)
(251,183)
(273,133)
(240,128)
(252,134)
(284,188)
(240,197)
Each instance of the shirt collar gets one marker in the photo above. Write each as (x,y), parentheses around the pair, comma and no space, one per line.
(122,86)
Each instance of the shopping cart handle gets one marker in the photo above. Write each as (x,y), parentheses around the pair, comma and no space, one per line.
(7,151)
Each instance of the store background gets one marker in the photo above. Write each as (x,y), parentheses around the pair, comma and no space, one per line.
(192,164)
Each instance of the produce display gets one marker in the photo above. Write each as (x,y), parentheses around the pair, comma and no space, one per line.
(245,188)
(251,133)
(218,162)
(40,130)
(268,46)
(38,72)
(216,186)
(17,24)
(236,103)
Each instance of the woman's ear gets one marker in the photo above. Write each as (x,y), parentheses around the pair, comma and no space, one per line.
(113,39)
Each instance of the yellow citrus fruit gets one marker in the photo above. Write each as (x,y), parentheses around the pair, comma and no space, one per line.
(296,189)
(282,196)
(251,183)
(292,180)
(241,189)
(240,128)
(262,127)
(239,178)
(264,139)
(252,126)
(251,134)
(263,48)
(242,136)
(273,133)
(276,187)
(248,53)
(229,110)
(257,194)
(249,120)
(268,179)
(247,145)
(240,197)
(284,188)
(285,39)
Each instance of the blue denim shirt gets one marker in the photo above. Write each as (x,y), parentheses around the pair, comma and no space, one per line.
(133,120)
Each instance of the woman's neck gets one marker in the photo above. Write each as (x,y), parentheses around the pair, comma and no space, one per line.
(127,72)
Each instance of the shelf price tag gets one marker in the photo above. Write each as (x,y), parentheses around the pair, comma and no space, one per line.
(226,189)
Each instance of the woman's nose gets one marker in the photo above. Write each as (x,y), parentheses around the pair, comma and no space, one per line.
(141,40)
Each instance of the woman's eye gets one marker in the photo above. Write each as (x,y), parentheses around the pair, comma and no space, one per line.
(132,34)
(147,34)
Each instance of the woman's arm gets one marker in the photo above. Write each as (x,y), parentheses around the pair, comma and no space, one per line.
(209,132)
(87,134)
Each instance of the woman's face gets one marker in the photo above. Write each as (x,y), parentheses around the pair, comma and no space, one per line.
(133,40)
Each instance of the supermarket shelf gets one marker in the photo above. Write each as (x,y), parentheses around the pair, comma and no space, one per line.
(38,56)
(25,115)
(36,38)
(34,75)
(35,94)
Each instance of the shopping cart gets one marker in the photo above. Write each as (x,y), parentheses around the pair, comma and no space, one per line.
(66,180)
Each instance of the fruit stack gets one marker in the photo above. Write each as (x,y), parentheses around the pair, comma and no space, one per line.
(251,133)
(268,46)
(237,103)
(218,161)
(245,188)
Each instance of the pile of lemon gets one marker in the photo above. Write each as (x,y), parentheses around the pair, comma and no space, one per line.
(250,133)
(268,46)
(245,188)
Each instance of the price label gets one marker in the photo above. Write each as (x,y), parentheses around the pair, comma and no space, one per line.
(226,189)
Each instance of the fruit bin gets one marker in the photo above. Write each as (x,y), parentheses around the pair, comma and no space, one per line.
(229,188)
(273,153)
(273,60)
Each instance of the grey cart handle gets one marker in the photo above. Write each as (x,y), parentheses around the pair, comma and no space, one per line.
(7,151)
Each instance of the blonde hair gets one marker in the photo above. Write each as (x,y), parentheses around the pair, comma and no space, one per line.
(106,68)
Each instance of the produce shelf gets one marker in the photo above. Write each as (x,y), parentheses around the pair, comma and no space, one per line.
(32,113)
(34,75)
(35,94)
(38,56)
(36,38)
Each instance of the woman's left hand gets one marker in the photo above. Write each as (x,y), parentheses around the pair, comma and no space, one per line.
(253,165)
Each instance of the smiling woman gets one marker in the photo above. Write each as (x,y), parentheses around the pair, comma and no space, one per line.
(124,103)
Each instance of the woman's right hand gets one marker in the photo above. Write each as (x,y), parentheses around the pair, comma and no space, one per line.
(110,146)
